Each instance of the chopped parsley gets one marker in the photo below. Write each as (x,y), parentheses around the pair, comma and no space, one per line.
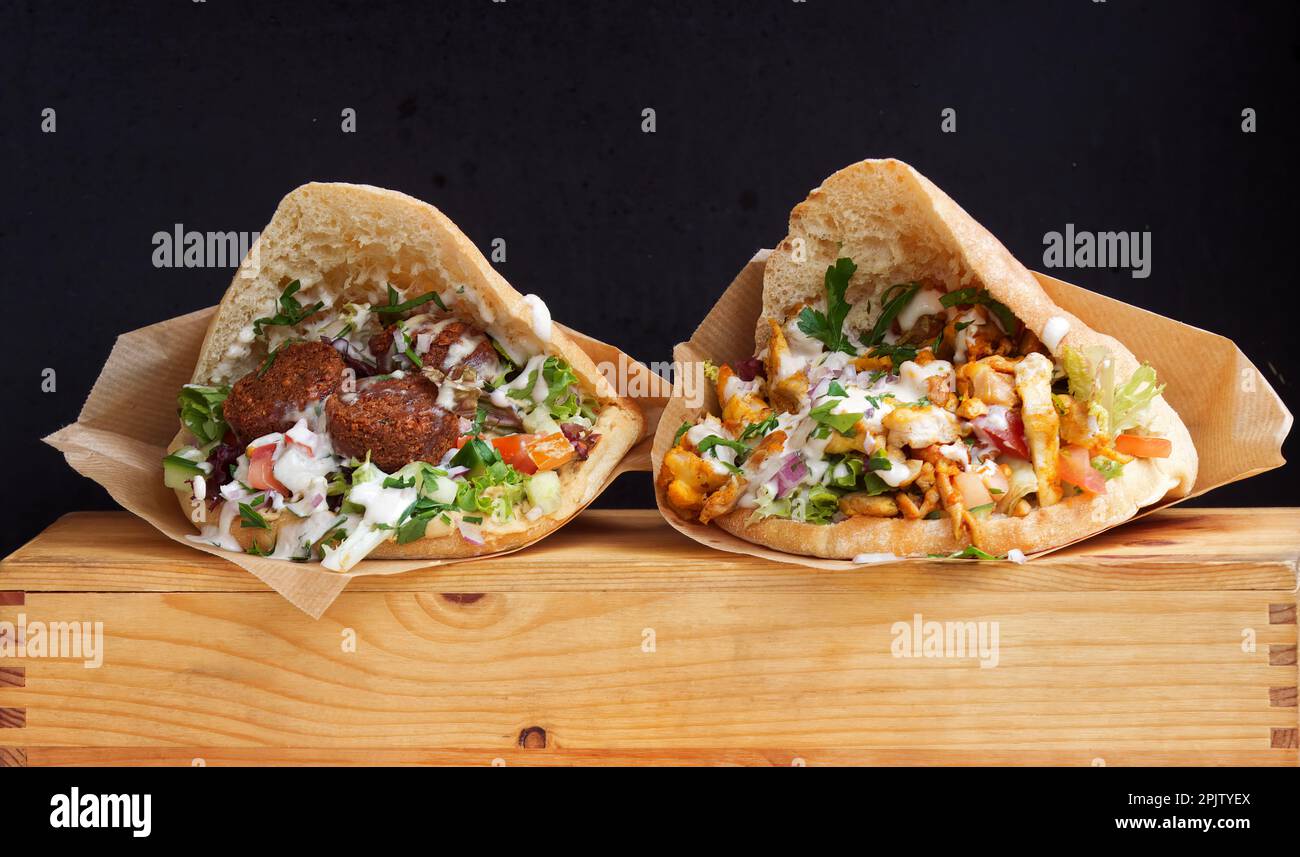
(713,440)
(972,295)
(828,327)
(757,429)
(968,552)
(250,518)
(898,353)
(842,423)
(291,312)
(394,307)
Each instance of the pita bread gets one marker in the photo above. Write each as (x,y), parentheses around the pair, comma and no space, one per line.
(344,243)
(899,227)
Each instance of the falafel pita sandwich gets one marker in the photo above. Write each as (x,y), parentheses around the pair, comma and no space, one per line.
(368,388)
(913,391)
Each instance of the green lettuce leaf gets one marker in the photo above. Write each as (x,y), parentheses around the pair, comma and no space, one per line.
(1130,401)
(201,412)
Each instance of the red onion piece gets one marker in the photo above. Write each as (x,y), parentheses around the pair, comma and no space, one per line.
(790,474)
(748,370)
(471,532)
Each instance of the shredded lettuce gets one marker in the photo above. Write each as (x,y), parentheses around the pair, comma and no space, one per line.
(563,400)
(1020,484)
(846,472)
(495,493)
(1116,407)
(1078,372)
(818,504)
(1130,401)
(771,507)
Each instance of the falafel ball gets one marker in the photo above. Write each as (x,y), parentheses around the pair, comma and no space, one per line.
(482,359)
(301,373)
(396,420)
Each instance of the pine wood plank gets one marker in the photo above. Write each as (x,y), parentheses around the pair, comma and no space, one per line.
(1102,675)
(634,550)
(1169,641)
(725,757)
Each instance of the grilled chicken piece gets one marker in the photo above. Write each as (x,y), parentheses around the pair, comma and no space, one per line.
(723,500)
(938,389)
(1030,342)
(1077,425)
(911,511)
(972,408)
(991,380)
(787,377)
(742,403)
(772,444)
(921,427)
(864,504)
(1042,427)
(923,482)
(981,339)
(866,363)
(952,502)
(686,480)
(944,469)
(861,441)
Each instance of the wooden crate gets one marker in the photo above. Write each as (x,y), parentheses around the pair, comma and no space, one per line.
(618,641)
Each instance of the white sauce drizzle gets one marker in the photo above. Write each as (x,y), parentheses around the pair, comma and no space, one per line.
(541,318)
(1054,331)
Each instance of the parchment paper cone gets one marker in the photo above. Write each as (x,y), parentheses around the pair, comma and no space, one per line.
(130,416)
(1236,420)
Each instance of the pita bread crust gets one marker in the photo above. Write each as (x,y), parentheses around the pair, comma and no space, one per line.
(1073,518)
(898,226)
(343,242)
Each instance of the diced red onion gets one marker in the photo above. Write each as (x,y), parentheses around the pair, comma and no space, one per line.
(790,474)
(748,370)
(453,472)
(471,532)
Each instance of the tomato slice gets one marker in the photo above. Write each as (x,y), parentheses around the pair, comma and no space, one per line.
(1140,446)
(1010,439)
(551,451)
(513,449)
(973,492)
(261,470)
(1075,467)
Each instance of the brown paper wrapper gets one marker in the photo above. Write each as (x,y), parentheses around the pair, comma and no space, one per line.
(125,425)
(1238,429)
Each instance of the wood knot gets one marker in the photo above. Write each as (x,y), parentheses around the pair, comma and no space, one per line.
(533,738)
(462,597)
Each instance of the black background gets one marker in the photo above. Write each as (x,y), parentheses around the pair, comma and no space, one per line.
(522,120)
(328,810)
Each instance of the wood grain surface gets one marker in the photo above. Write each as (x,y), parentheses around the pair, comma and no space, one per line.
(617,641)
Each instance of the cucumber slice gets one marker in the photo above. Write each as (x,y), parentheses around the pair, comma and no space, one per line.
(544,491)
(177,471)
